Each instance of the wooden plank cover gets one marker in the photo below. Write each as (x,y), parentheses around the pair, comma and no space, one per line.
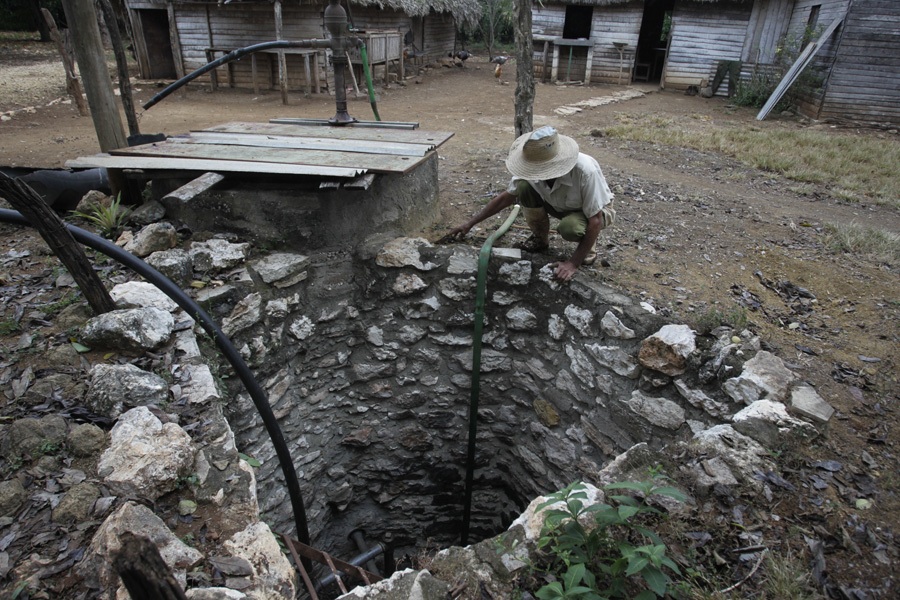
(187,164)
(409,136)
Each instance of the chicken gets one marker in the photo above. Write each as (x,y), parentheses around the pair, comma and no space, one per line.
(498,70)
(461,56)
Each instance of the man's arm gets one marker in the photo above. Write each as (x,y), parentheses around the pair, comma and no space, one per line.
(499,202)
(565,271)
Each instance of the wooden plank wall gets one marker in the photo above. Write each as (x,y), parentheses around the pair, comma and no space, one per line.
(617,23)
(235,25)
(769,20)
(702,37)
(863,85)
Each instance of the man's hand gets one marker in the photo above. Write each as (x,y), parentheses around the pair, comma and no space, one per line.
(456,234)
(564,271)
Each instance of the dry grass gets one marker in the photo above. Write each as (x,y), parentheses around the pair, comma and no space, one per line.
(853,167)
(853,238)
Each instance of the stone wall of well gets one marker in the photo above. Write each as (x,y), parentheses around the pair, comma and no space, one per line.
(367,361)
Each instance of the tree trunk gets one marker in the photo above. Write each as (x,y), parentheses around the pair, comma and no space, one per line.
(91,58)
(34,7)
(524,68)
(115,38)
(143,571)
(73,86)
(53,230)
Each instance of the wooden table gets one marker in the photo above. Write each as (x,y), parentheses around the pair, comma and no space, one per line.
(310,71)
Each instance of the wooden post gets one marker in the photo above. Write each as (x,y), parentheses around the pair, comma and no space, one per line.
(25,200)
(90,55)
(143,570)
(176,45)
(524,120)
(282,59)
(73,86)
(115,37)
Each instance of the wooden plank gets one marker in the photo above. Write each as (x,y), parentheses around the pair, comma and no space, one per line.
(802,61)
(416,136)
(193,188)
(316,158)
(226,166)
(298,143)
(363,182)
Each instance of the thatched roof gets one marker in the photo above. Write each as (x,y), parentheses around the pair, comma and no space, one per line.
(464,11)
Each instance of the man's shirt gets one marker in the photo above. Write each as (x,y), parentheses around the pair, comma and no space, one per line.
(583,188)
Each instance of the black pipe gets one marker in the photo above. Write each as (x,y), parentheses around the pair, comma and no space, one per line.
(228,350)
(234,55)
(356,561)
(359,538)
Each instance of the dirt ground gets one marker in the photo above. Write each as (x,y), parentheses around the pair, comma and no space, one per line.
(699,236)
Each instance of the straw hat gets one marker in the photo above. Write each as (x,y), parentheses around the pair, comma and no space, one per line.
(542,154)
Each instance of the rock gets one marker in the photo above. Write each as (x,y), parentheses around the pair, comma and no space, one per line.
(217,593)
(12,497)
(700,400)
(135,329)
(115,386)
(806,402)
(763,376)
(273,576)
(145,457)
(31,437)
(96,566)
(743,455)
(246,314)
(148,212)
(176,264)
(457,289)
(404,252)
(709,473)
(75,505)
(521,319)
(766,422)
(463,261)
(86,439)
(613,327)
(532,518)
(282,269)
(402,585)
(580,319)
(140,294)
(153,238)
(658,411)
(518,273)
(217,255)
(615,359)
(667,350)
(200,385)
(408,284)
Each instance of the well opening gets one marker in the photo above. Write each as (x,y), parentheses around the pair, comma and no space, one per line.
(367,362)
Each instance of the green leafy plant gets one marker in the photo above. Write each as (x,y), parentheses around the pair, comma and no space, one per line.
(109,220)
(599,560)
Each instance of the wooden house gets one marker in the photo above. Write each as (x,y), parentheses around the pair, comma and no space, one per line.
(685,43)
(176,37)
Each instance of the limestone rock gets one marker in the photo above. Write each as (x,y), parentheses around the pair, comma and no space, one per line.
(273,576)
(404,252)
(148,212)
(216,593)
(766,421)
(408,284)
(12,497)
(246,314)
(200,386)
(658,411)
(96,566)
(532,519)
(114,386)
(217,254)
(580,319)
(75,505)
(176,264)
(612,326)
(518,273)
(86,439)
(743,455)
(698,399)
(134,329)
(145,457)
(463,261)
(763,377)
(667,350)
(521,319)
(282,269)
(140,294)
(402,585)
(806,402)
(153,238)
(615,359)
(26,437)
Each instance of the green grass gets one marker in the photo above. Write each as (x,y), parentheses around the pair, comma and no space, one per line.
(853,167)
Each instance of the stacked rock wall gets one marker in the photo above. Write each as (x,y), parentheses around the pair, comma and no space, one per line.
(368,365)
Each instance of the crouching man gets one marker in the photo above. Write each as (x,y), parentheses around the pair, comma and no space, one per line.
(550,177)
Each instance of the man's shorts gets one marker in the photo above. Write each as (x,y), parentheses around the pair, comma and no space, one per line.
(572,224)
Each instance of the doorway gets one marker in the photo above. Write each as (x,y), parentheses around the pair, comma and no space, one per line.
(653,41)
(157,45)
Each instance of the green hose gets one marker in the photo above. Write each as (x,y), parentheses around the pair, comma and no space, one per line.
(483,258)
(365,63)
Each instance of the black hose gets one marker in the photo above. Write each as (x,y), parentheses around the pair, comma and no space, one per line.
(228,350)
(233,55)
